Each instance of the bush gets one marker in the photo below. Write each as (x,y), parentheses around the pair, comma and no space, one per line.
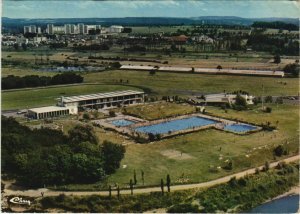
(112,113)
(268,110)
(280,150)
(184,208)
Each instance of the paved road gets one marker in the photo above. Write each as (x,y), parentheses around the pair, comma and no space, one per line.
(47,192)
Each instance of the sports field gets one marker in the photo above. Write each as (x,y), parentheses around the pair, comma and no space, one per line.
(29,98)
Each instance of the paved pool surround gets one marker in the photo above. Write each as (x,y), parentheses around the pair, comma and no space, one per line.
(133,126)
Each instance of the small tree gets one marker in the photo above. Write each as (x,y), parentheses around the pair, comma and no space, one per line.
(240,101)
(131,186)
(118,192)
(134,177)
(219,67)
(267,166)
(162,186)
(152,72)
(109,190)
(268,109)
(277,59)
(168,182)
(86,116)
(112,113)
(142,173)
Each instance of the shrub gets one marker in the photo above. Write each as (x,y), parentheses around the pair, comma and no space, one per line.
(112,113)
(184,208)
(268,109)
(280,150)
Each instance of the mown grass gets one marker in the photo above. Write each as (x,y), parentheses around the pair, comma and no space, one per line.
(28,98)
(204,151)
(158,110)
(177,83)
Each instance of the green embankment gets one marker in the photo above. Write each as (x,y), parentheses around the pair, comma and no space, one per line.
(234,196)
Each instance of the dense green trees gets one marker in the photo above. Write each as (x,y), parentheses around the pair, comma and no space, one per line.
(46,157)
(112,156)
(11,81)
(292,69)
(275,25)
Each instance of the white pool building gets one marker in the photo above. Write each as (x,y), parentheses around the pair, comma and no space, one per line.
(103,100)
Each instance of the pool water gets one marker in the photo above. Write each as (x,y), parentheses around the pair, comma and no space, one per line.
(239,128)
(122,122)
(175,125)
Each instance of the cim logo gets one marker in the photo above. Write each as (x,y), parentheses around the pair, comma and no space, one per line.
(19,200)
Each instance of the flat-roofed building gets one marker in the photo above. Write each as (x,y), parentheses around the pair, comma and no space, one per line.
(103,100)
(220,98)
(51,111)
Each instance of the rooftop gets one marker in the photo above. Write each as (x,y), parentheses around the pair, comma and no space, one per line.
(100,95)
(47,109)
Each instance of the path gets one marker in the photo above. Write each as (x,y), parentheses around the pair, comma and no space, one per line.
(47,192)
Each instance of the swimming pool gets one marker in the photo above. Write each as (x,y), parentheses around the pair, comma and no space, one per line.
(122,122)
(239,128)
(175,125)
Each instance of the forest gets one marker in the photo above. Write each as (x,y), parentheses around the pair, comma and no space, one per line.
(42,157)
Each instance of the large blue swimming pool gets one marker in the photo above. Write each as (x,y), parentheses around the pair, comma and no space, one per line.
(122,122)
(175,125)
(239,128)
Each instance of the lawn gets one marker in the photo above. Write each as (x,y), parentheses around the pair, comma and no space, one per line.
(28,98)
(197,157)
(186,84)
(188,158)
(158,110)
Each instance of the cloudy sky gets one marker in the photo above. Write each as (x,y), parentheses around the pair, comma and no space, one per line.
(160,8)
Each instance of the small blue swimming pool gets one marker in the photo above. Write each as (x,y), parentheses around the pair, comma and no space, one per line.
(175,125)
(122,122)
(239,128)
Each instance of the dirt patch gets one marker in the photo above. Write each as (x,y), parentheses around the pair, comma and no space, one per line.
(176,155)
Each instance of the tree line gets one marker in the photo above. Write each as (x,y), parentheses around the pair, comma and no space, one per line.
(12,82)
(275,25)
(42,157)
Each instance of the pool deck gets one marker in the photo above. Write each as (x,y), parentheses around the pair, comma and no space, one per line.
(130,129)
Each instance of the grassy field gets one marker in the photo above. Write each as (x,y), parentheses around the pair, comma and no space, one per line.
(28,98)
(158,85)
(154,111)
(176,83)
(23,72)
(199,156)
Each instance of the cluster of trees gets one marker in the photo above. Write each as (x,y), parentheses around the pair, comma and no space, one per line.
(279,45)
(275,25)
(92,47)
(292,69)
(135,48)
(48,157)
(58,45)
(12,82)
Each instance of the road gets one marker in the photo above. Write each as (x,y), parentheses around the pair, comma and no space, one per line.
(47,192)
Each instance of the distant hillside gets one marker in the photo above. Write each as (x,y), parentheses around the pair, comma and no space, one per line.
(139,21)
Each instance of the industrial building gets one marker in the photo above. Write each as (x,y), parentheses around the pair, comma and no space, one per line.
(103,100)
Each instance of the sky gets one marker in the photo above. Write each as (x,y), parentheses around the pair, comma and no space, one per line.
(154,8)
